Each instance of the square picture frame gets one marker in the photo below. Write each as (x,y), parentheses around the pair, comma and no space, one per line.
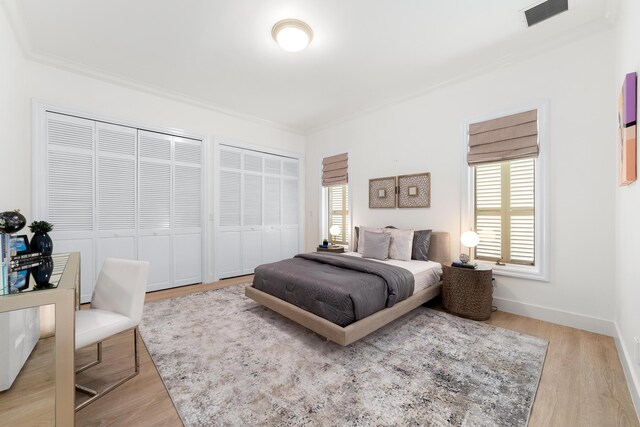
(414,191)
(382,193)
(19,245)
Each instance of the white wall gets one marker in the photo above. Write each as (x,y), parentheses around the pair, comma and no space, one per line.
(627,202)
(22,80)
(424,134)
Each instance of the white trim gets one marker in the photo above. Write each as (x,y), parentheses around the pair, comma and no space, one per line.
(542,194)
(39,111)
(626,359)
(560,317)
(230,142)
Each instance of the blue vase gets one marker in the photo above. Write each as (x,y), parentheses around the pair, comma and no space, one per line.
(42,272)
(41,242)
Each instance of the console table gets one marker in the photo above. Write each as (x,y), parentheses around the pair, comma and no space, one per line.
(63,294)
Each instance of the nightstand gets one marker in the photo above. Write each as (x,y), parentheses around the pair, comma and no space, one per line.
(467,292)
(335,249)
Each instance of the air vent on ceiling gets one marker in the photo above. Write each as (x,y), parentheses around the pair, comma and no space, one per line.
(545,10)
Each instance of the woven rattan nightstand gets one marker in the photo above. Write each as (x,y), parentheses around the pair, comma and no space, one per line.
(335,250)
(467,292)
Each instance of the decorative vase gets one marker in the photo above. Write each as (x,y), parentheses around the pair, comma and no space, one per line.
(42,272)
(41,242)
(12,221)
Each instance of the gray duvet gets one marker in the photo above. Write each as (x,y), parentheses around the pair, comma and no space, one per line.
(339,288)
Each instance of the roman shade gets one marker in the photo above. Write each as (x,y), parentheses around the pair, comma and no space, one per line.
(334,170)
(505,138)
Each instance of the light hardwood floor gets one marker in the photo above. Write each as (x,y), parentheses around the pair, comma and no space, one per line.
(582,381)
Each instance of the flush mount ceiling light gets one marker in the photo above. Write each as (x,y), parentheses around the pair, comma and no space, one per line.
(292,35)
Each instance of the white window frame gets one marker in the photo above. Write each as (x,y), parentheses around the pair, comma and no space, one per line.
(541,270)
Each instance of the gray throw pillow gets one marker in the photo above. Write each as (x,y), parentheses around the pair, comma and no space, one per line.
(376,245)
(361,237)
(421,243)
(401,244)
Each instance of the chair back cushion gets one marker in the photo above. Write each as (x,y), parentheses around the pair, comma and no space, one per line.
(121,286)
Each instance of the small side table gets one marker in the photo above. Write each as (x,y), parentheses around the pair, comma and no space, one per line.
(467,292)
(335,250)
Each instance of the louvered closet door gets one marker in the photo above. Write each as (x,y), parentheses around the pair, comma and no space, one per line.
(115,192)
(154,207)
(70,190)
(272,229)
(290,208)
(251,211)
(187,211)
(229,221)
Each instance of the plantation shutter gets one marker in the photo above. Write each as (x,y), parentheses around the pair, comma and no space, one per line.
(339,212)
(505,211)
(505,138)
(335,170)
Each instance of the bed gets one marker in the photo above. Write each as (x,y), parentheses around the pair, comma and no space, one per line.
(424,289)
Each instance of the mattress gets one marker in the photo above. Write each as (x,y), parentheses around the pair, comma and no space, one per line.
(426,273)
(338,288)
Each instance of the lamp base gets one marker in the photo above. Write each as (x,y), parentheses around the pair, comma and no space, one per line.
(464,258)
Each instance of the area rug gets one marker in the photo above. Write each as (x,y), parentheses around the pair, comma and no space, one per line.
(226,360)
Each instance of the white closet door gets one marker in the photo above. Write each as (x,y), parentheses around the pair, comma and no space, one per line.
(154,207)
(187,209)
(229,220)
(271,233)
(290,208)
(115,192)
(70,190)
(251,211)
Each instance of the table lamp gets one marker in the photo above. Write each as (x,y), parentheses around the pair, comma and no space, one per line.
(334,231)
(470,239)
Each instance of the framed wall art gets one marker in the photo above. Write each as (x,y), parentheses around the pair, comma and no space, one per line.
(414,191)
(627,145)
(382,192)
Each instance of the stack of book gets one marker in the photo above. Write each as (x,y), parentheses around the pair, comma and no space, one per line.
(25,261)
(470,265)
(5,262)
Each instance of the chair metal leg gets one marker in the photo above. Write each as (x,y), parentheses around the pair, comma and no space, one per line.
(95,362)
(98,394)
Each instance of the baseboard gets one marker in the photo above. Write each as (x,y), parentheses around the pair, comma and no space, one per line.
(626,359)
(565,318)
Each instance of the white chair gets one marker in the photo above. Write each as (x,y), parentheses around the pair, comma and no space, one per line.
(116,306)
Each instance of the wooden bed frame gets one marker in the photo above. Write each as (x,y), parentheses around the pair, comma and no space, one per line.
(439,251)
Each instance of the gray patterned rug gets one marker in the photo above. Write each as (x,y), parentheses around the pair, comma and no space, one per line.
(226,360)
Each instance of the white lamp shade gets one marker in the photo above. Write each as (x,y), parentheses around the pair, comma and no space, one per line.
(334,230)
(470,239)
(292,35)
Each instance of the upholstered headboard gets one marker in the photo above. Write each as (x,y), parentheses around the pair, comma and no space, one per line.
(440,247)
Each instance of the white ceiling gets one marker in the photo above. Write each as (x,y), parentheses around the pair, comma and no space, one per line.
(365,53)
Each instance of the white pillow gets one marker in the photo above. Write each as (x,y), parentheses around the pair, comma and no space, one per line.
(361,236)
(401,244)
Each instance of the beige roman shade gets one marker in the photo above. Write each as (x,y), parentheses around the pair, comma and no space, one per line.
(506,138)
(334,170)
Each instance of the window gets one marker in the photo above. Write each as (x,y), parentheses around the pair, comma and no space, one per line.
(505,211)
(338,213)
(505,199)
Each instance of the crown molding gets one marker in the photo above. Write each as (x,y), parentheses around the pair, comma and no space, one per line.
(10,7)
(588,29)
